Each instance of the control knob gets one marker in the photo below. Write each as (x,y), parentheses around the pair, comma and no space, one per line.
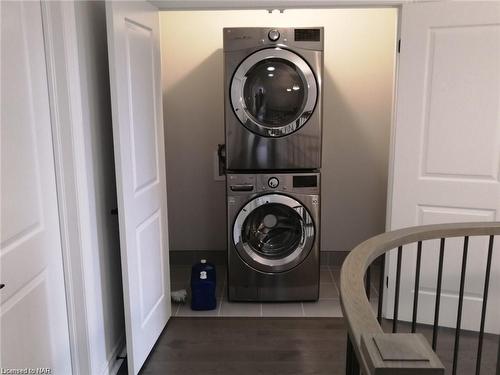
(273,35)
(273,182)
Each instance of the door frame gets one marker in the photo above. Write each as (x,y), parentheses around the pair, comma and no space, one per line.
(392,146)
(280,5)
(71,161)
(59,32)
(72,164)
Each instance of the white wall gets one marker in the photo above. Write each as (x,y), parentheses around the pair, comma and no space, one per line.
(358,84)
(105,302)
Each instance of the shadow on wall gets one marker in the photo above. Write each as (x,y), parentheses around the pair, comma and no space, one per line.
(354,171)
(196,202)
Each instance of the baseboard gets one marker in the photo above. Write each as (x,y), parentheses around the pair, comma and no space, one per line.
(333,258)
(219,257)
(113,363)
(190,257)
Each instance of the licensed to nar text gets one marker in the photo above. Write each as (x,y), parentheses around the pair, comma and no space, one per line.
(26,370)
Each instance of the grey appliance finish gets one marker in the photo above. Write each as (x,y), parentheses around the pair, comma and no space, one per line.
(273,236)
(273,98)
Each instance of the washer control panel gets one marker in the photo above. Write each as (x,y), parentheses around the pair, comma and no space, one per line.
(249,183)
(273,182)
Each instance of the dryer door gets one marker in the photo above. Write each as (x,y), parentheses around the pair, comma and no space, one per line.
(273,92)
(273,233)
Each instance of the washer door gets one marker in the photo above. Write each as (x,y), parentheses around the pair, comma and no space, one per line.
(273,92)
(273,233)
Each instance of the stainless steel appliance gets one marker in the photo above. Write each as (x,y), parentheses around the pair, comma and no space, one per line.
(273,234)
(273,98)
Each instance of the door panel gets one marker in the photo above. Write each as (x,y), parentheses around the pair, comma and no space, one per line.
(33,305)
(450,134)
(273,233)
(273,92)
(140,58)
(447,152)
(135,74)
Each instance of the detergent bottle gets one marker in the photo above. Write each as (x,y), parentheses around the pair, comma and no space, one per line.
(203,281)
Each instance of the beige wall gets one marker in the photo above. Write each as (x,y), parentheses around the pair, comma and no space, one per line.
(358,82)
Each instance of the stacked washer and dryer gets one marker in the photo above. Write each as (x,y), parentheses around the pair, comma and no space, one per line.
(273,124)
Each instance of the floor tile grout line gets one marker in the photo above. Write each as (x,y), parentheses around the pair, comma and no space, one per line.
(219,310)
(177,309)
(178,305)
(334,282)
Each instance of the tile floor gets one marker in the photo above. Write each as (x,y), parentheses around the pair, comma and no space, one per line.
(327,306)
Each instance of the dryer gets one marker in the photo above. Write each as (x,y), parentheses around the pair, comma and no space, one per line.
(273,236)
(273,98)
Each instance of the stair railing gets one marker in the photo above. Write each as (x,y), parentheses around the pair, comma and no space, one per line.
(371,351)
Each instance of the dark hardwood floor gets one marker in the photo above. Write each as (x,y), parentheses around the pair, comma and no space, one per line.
(249,346)
(283,346)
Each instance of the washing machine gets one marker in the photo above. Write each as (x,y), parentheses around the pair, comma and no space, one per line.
(273,236)
(273,98)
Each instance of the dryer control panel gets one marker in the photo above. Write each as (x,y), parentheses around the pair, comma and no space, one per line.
(243,38)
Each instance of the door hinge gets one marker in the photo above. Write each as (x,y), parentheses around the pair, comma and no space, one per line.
(387,281)
(399,45)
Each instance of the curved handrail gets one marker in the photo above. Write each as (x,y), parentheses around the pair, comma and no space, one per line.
(356,308)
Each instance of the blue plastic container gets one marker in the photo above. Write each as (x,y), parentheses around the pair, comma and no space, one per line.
(203,281)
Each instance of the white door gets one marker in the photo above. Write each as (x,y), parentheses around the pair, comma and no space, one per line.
(135,73)
(446,163)
(33,317)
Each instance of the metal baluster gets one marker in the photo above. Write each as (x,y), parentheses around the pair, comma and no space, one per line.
(348,357)
(396,297)
(368,280)
(498,359)
(460,304)
(438,295)
(352,364)
(483,311)
(355,364)
(381,289)
(417,286)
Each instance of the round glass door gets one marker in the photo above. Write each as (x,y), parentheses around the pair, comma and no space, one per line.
(273,92)
(273,233)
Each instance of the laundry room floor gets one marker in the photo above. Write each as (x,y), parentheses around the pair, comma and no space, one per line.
(328,304)
(284,346)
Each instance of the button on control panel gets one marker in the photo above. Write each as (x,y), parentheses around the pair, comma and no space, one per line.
(273,182)
(274,35)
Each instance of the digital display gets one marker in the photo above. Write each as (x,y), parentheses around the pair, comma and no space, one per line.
(307,35)
(305,181)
